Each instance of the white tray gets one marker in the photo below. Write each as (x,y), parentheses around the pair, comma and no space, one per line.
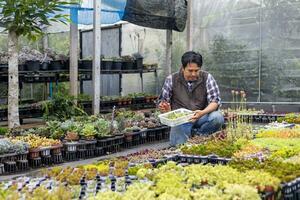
(175,122)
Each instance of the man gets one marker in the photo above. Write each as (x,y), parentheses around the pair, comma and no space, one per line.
(196,90)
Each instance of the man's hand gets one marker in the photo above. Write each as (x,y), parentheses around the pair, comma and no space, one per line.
(197,115)
(164,107)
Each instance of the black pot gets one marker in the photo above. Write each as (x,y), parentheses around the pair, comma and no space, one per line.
(3,67)
(86,64)
(32,65)
(66,65)
(106,64)
(117,65)
(57,65)
(127,65)
(139,63)
(22,67)
(44,66)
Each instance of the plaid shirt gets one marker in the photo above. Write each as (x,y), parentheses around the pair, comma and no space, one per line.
(213,92)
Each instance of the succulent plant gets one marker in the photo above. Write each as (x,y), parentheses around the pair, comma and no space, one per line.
(88,131)
(3,57)
(28,54)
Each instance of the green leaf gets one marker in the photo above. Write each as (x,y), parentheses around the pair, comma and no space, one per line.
(26,17)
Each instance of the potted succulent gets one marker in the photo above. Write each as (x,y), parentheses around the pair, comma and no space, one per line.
(59,61)
(148,98)
(86,63)
(124,100)
(103,169)
(3,131)
(119,172)
(128,134)
(71,136)
(138,61)
(3,61)
(103,127)
(6,146)
(117,64)
(263,181)
(150,66)
(106,63)
(31,58)
(75,177)
(88,132)
(90,174)
(45,62)
(137,98)
(128,63)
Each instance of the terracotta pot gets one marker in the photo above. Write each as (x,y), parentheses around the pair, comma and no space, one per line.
(34,153)
(56,150)
(128,136)
(269,188)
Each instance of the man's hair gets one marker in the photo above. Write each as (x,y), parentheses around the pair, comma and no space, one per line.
(191,57)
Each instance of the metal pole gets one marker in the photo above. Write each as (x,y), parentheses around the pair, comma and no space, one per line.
(260,53)
(96,57)
(189,26)
(169,52)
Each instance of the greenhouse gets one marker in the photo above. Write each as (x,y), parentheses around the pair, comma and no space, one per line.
(150,99)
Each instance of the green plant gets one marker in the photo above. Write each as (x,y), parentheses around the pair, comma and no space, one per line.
(134,170)
(280,133)
(91,174)
(294,159)
(176,115)
(237,191)
(223,148)
(54,129)
(102,127)
(3,131)
(62,107)
(261,180)
(84,97)
(25,18)
(127,58)
(88,131)
(279,147)
(54,171)
(139,191)
(109,195)
(103,169)
(284,171)
(290,118)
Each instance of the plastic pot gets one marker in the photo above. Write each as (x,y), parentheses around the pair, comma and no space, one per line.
(32,65)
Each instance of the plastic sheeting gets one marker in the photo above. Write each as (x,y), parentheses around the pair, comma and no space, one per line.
(166,14)
(251,45)
(161,14)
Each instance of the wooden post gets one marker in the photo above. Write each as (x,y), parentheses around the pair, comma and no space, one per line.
(74,53)
(96,57)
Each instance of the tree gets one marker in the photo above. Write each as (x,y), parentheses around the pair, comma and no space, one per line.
(24,18)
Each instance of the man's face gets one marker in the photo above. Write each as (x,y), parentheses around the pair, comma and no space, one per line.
(191,72)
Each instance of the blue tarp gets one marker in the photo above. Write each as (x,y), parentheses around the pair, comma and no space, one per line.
(112,11)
